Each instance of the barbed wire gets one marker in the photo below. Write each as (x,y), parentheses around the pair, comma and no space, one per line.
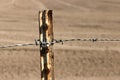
(17,45)
(93,40)
(37,42)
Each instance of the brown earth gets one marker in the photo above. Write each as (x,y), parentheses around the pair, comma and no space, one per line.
(72,19)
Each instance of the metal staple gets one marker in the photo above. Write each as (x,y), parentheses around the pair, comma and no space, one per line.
(62,41)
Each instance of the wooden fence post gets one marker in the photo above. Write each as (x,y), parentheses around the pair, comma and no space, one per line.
(46,37)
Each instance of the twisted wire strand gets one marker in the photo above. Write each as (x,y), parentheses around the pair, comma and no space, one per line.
(37,42)
(17,45)
(89,39)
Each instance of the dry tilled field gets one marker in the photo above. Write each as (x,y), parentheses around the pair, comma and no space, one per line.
(72,19)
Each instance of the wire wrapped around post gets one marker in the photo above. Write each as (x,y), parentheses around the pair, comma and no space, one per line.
(46,36)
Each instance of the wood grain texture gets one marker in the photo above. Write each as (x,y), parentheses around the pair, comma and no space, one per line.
(46,54)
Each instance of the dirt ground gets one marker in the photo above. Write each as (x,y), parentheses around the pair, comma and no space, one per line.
(72,19)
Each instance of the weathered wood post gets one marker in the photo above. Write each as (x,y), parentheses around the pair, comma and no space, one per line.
(46,37)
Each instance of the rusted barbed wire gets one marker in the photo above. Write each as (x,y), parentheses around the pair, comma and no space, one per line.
(37,42)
